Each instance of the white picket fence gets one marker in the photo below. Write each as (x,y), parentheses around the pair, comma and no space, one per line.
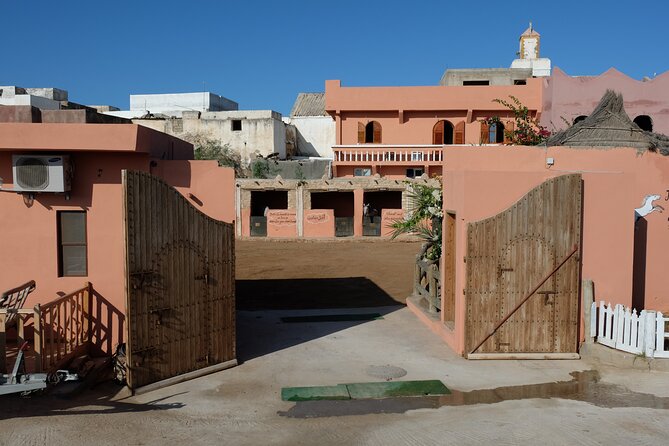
(623,329)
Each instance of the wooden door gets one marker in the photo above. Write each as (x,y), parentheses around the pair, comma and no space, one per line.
(179,283)
(523,268)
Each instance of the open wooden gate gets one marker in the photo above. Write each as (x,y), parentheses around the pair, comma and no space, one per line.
(523,267)
(180,279)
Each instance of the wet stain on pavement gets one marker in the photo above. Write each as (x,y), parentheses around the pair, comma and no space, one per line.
(585,386)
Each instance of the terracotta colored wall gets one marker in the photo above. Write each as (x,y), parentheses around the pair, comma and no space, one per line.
(482,181)
(408,114)
(388,216)
(246,222)
(87,137)
(281,223)
(28,233)
(319,223)
(207,186)
(568,97)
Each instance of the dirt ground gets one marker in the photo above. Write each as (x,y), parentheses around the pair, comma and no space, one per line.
(493,402)
(323,274)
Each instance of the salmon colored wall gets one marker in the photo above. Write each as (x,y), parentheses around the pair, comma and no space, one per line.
(482,181)
(281,223)
(358,204)
(432,98)
(388,216)
(417,130)
(568,97)
(319,223)
(204,184)
(28,232)
(387,171)
(408,114)
(246,222)
(91,137)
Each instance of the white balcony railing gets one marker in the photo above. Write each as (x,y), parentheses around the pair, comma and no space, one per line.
(388,155)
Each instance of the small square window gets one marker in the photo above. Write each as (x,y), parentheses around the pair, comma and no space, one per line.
(519,82)
(362,172)
(414,173)
(236,125)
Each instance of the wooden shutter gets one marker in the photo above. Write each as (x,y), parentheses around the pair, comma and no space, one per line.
(377,133)
(485,135)
(508,132)
(438,133)
(459,135)
(361,133)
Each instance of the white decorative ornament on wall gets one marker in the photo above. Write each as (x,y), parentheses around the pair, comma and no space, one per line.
(647,207)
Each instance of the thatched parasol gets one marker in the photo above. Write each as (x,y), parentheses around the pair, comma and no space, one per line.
(609,126)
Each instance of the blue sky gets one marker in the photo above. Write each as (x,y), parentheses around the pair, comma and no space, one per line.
(262,53)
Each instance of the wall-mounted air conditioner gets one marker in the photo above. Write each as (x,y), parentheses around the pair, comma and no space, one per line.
(42,173)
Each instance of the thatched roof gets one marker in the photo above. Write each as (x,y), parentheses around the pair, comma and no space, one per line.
(609,126)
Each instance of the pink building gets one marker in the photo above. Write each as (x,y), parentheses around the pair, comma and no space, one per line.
(64,239)
(568,99)
(400,132)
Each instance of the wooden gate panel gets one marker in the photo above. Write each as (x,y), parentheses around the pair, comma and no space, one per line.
(508,255)
(179,283)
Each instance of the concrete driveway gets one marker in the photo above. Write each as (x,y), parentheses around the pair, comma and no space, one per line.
(501,402)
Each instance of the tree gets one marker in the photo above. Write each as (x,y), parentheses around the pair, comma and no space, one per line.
(527,131)
(423,218)
(210,149)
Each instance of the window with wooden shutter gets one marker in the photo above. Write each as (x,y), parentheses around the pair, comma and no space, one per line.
(438,133)
(485,133)
(459,133)
(508,134)
(361,133)
(442,133)
(377,132)
(373,132)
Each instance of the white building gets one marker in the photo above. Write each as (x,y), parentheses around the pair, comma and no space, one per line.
(314,129)
(206,115)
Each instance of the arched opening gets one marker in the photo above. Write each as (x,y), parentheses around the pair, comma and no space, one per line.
(496,133)
(579,119)
(373,133)
(442,133)
(644,122)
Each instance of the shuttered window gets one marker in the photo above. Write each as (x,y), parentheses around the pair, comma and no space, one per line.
(459,133)
(72,244)
(369,133)
(442,133)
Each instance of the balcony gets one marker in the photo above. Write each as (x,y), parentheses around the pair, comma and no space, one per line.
(377,154)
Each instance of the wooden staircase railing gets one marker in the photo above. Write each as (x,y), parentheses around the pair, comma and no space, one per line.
(427,284)
(62,328)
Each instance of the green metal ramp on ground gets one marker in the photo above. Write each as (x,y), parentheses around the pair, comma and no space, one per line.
(373,390)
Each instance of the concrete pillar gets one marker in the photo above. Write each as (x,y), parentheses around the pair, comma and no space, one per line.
(238,210)
(299,210)
(358,202)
